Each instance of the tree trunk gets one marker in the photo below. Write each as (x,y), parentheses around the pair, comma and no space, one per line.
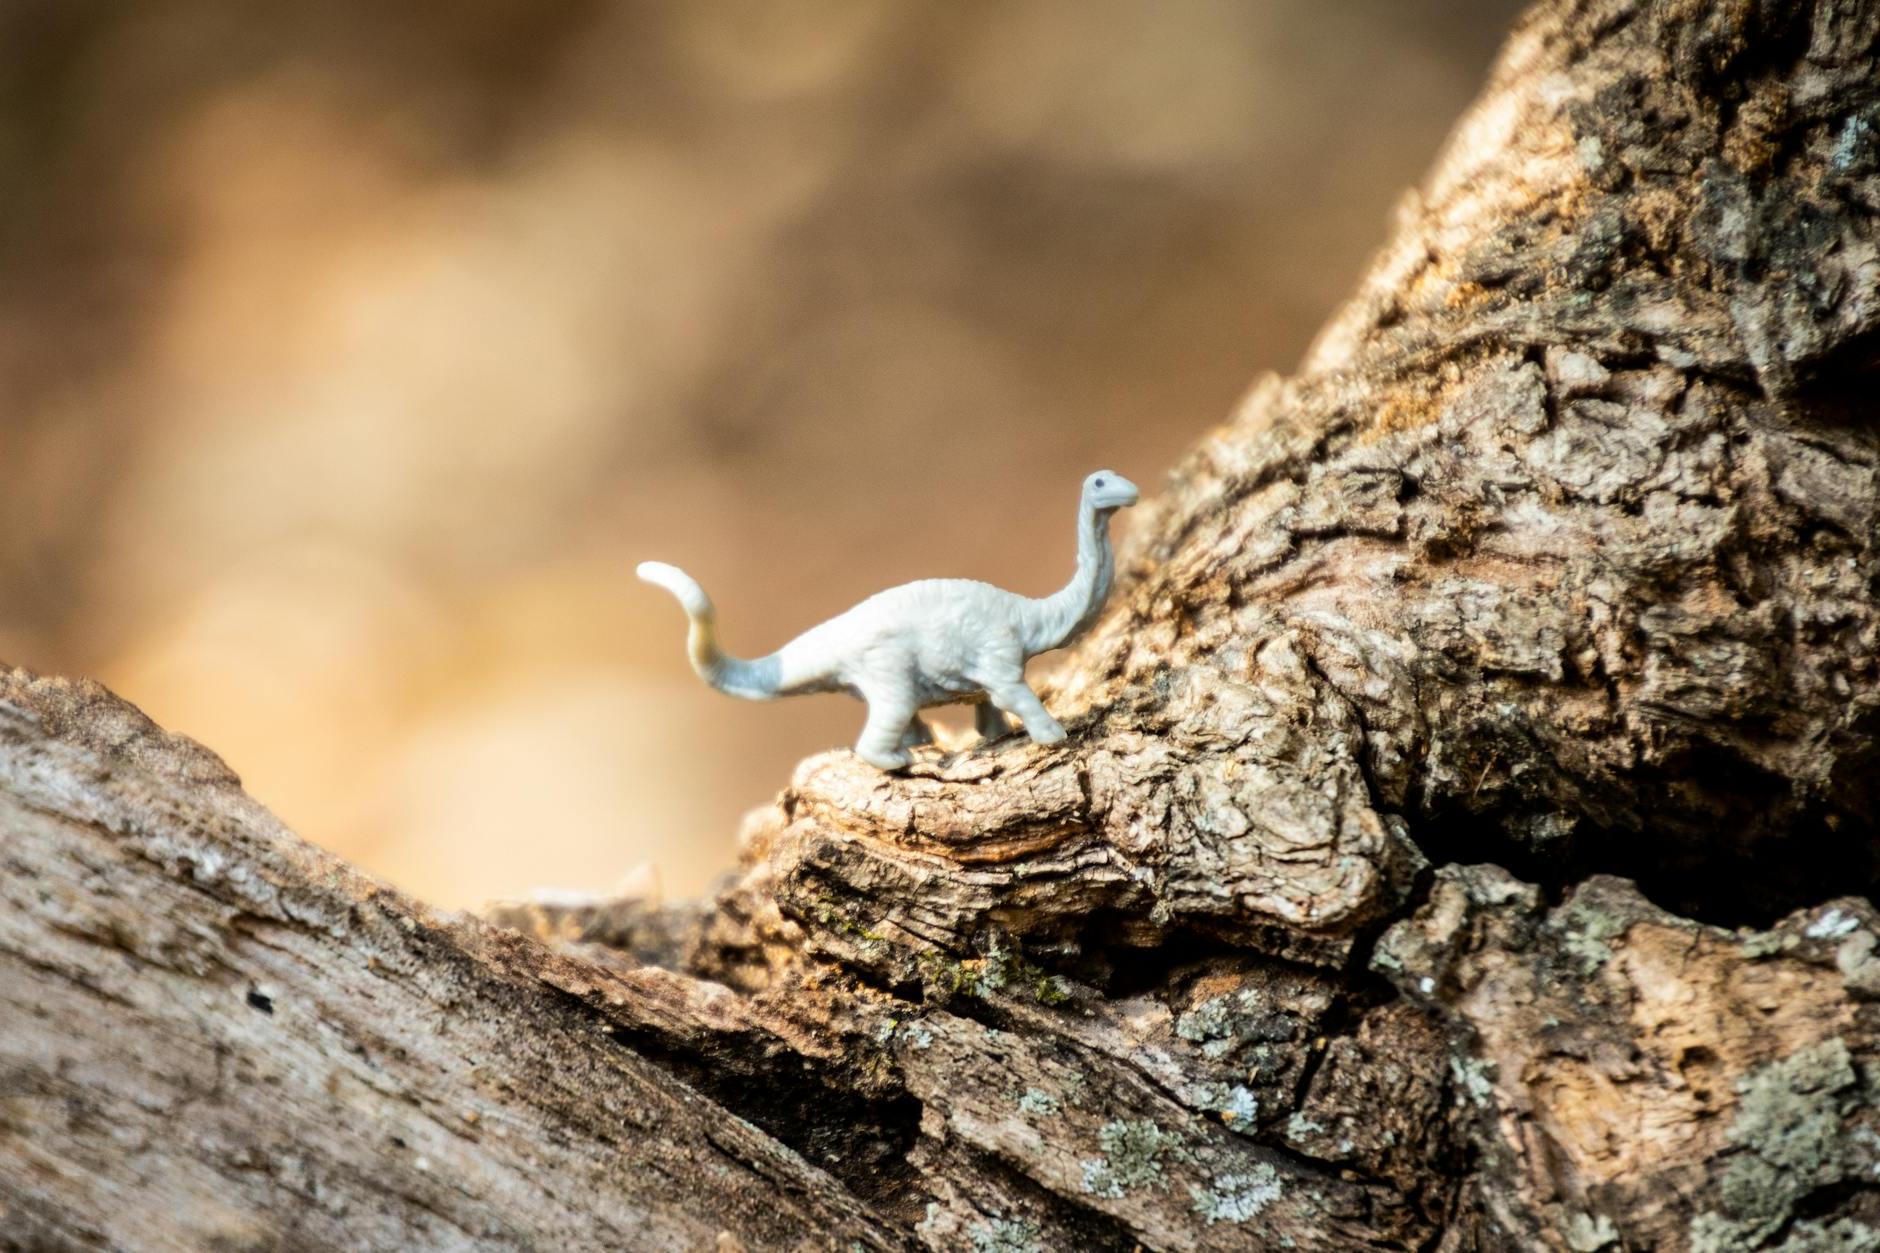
(1559,555)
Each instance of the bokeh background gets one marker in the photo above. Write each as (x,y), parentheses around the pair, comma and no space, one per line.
(352,353)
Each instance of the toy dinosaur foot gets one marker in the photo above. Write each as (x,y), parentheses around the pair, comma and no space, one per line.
(1046,732)
(895,760)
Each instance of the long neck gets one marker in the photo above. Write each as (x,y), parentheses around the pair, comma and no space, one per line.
(1065,614)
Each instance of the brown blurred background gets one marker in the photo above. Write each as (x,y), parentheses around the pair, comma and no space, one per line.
(351,354)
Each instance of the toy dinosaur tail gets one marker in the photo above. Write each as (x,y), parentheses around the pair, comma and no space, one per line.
(751,680)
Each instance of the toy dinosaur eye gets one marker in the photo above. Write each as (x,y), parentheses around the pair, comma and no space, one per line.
(1098,483)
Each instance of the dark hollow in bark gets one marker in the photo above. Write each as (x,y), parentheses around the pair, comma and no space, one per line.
(1463,842)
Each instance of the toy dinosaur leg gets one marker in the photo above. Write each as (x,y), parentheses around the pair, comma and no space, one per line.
(1015,698)
(889,711)
(988,721)
(918,733)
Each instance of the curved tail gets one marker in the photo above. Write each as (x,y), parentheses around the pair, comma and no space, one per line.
(750,680)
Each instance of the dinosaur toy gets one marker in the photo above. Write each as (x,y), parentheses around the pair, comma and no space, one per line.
(933,642)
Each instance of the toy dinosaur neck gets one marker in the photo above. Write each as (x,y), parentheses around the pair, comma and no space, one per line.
(1059,618)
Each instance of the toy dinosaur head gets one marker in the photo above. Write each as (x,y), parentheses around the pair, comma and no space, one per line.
(1106,489)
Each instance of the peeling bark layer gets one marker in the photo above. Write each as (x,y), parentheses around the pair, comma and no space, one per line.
(1559,554)
(1634,1079)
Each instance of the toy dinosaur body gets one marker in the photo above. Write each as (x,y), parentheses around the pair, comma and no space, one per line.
(934,642)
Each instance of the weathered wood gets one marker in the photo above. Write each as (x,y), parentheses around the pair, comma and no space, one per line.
(1560,553)
(213,1035)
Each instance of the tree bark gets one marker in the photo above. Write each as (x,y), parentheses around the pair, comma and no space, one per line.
(1559,554)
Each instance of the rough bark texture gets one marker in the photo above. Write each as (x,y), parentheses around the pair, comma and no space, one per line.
(1559,555)
(213,1035)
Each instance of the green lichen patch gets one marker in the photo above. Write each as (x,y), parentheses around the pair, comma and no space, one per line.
(1857,145)
(1588,1233)
(1239,1108)
(1006,1235)
(1789,1126)
(1237,1105)
(1237,1197)
(1298,1127)
(1038,1103)
(1002,969)
(1472,1076)
(1790,1121)
(1588,932)
(1132,1158)
(1222,1024)
(910,1031)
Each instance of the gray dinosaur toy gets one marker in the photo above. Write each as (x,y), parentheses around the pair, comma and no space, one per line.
(934,642)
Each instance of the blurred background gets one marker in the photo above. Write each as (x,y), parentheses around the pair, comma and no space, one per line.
(352,353)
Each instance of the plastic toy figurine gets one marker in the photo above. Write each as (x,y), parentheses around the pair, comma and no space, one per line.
(934,642)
